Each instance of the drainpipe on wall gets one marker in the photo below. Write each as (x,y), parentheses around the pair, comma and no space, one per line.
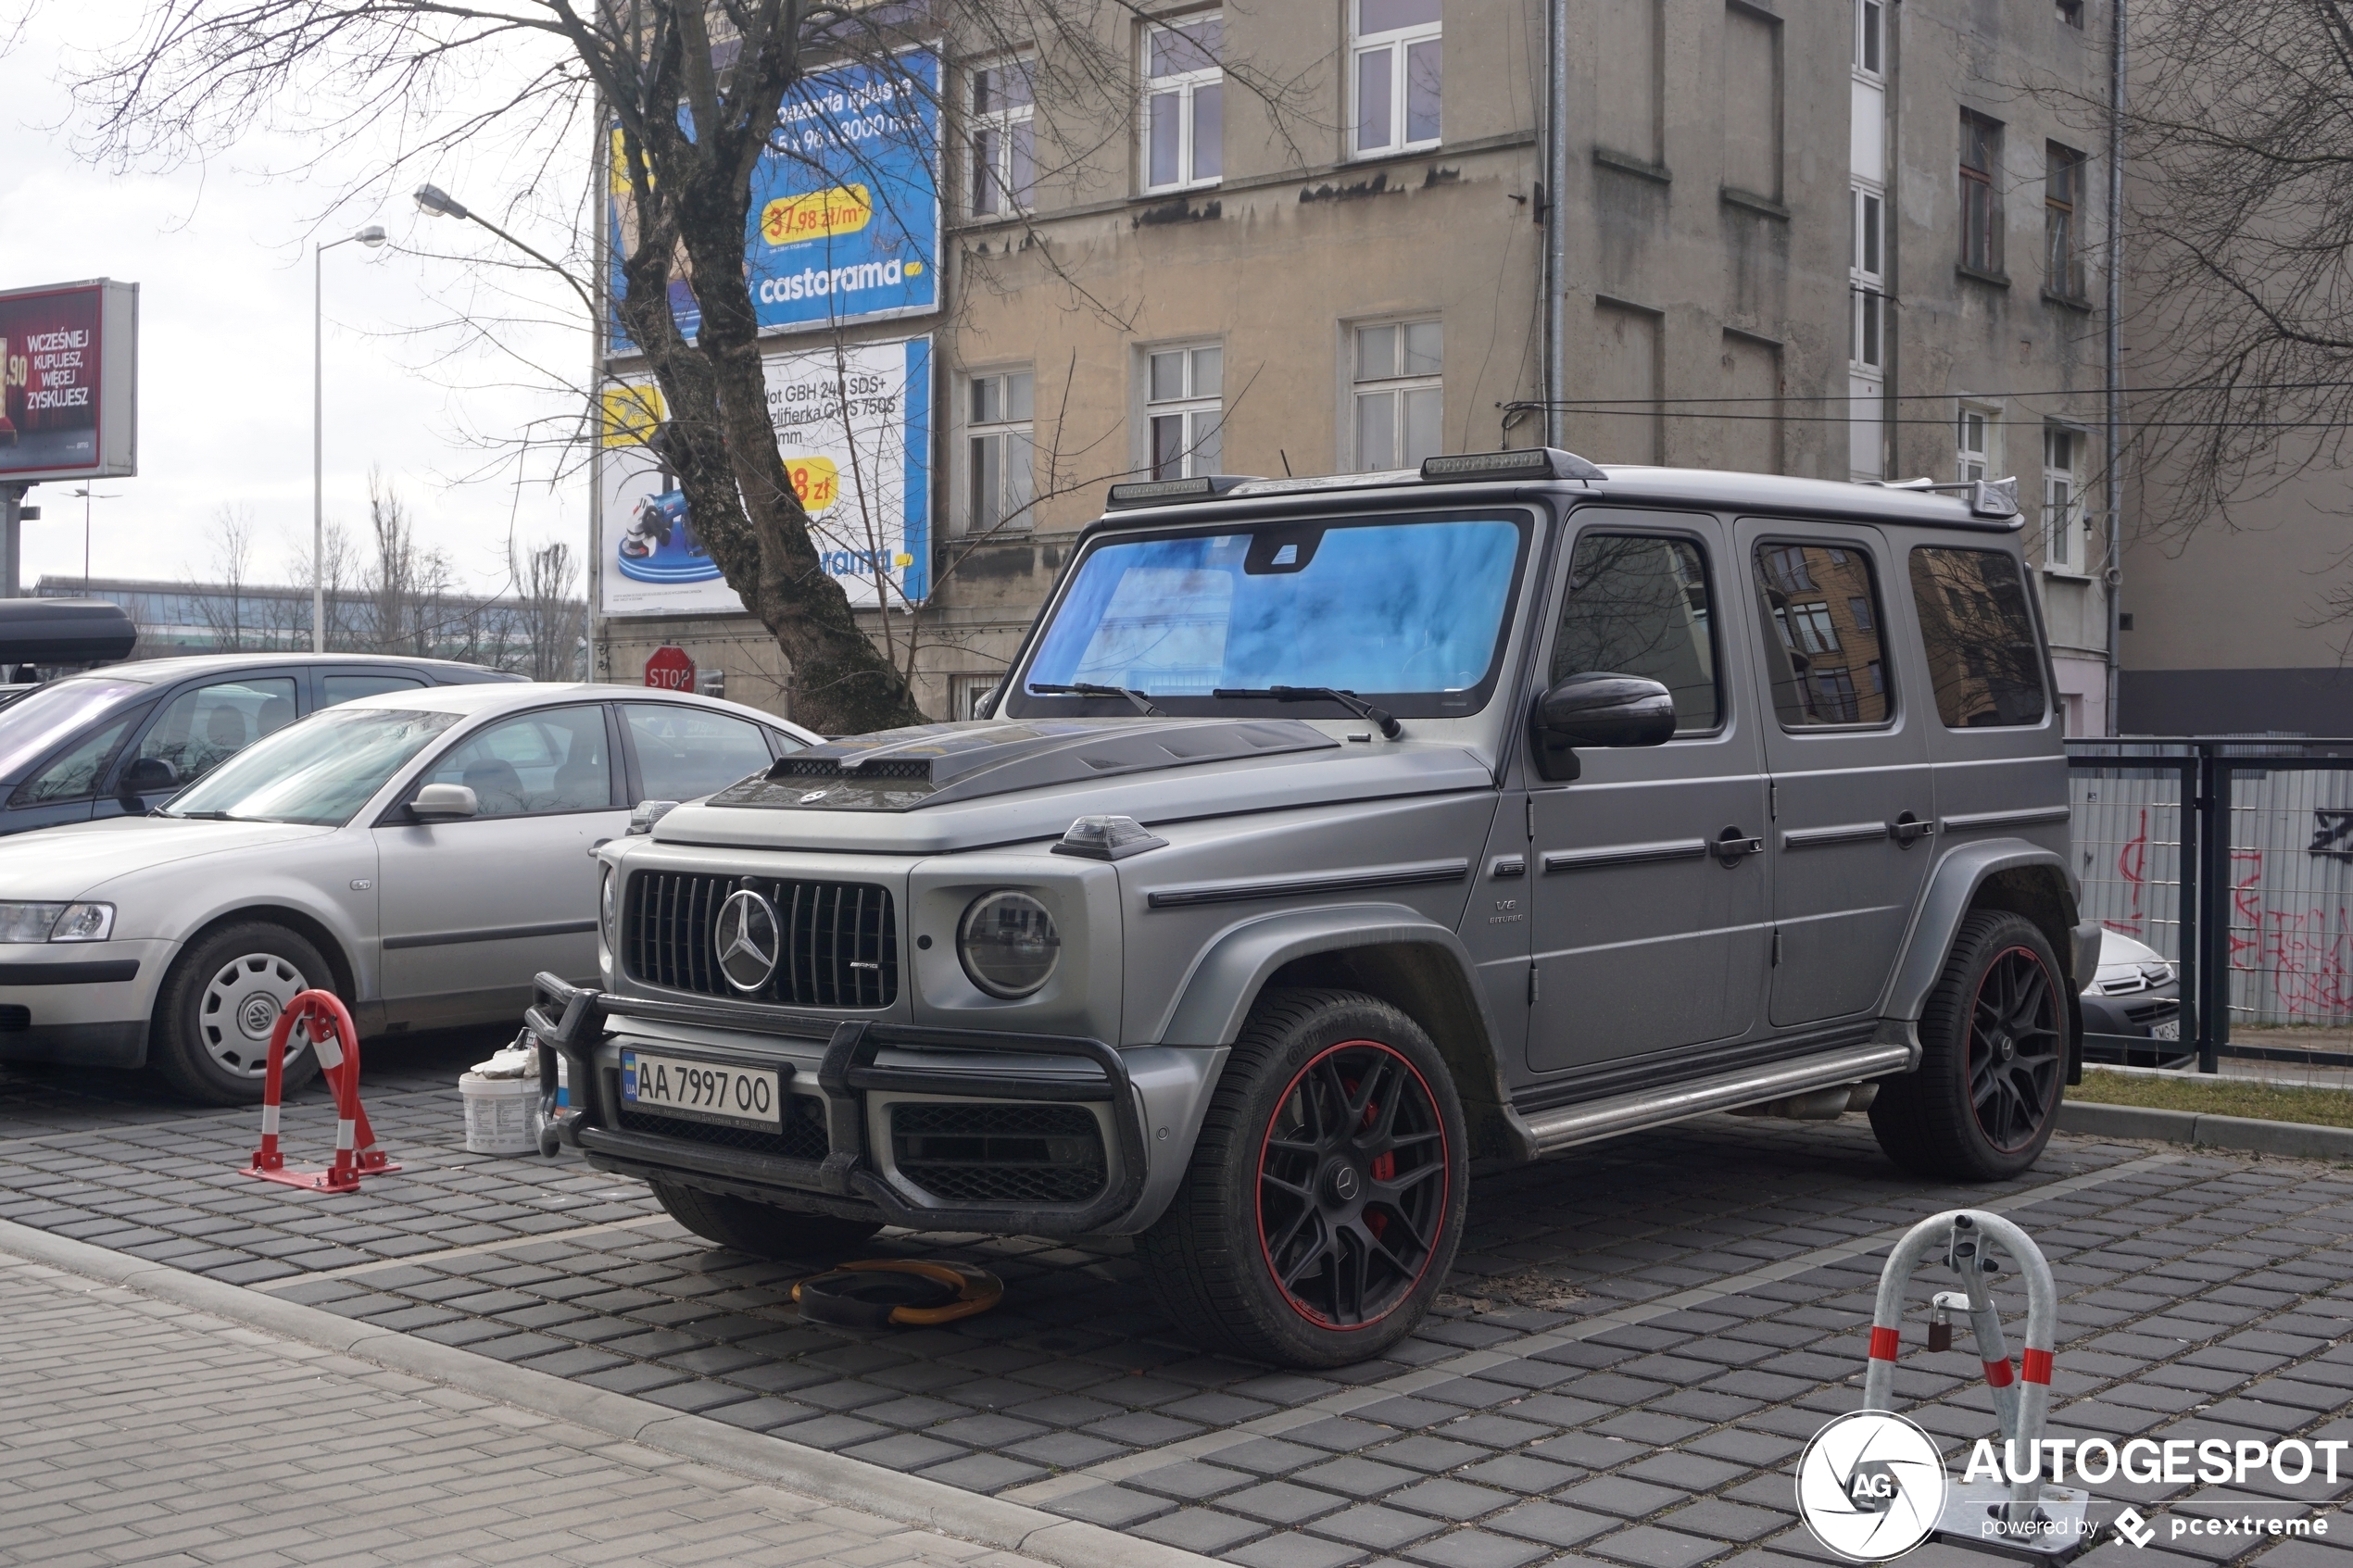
(1555,165)
(2114,576)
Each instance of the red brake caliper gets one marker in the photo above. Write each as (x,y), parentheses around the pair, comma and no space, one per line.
(1384,1169)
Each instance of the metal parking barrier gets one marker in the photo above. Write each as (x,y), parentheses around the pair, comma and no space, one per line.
(326,1024)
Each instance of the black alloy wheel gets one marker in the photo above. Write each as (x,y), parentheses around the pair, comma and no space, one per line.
(1352,1184)
(2016,1050)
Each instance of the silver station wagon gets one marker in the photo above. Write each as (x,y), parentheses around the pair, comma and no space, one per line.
(1331,835)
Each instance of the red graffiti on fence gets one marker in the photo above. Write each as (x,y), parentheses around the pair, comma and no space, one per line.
(2132,864)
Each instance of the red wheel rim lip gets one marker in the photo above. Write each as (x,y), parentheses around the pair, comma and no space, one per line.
(1445,1188)
(2051,993)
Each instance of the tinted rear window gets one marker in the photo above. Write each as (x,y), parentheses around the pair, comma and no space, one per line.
(1984,661)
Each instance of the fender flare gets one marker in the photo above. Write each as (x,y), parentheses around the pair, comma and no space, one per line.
(1952,887)
(1215,997)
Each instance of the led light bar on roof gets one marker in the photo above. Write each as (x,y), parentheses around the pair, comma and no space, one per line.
(1157,491)
(1528,462)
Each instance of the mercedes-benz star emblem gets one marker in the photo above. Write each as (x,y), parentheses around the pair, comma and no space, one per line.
(814,795)
(746,937)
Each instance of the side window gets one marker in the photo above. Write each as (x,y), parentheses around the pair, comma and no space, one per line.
(73,775)
(203,728)
(1984,661)
(344,688)
(535,765)
(686,753)
(1819,607)
(1639,605)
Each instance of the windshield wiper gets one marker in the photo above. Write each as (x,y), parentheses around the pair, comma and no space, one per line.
(1142,700)
(1350,700)
(197,816)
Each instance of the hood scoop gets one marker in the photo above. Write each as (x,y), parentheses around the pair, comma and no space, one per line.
(932,764)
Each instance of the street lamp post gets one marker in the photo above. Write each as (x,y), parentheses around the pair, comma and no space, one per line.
(439,203)
(371,236)
(85,496)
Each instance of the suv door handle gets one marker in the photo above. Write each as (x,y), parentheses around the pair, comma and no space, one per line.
(1731,846)
(1908,830)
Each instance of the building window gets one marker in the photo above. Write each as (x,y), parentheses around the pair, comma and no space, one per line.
(2062,498)
(1398,394)
(1868,277)
(1000,473)
(1184,105)
(1183,409)
(1981,198)
(1397,74)
(1975,440)
(1871,37)
(2071,12)
(2062,242)
(1004,142)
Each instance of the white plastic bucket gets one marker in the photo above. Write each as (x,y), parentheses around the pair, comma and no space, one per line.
(502,1114)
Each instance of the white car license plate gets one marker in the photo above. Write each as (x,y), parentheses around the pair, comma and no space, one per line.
(2168,1029)
(704,1091)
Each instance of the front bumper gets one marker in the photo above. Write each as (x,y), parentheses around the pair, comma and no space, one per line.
(856,1173)
(82,1004)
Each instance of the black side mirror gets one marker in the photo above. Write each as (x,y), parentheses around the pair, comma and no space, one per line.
(1599,710)
(148,775)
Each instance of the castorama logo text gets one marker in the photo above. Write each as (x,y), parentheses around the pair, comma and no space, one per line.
(816,282)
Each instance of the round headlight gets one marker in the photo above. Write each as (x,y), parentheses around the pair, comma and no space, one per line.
(1008,944)
(606,896)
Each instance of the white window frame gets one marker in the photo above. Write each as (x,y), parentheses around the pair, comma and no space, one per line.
(2063,514)
(1197,416)
(1014,505)
(1866,278)
(1399,42)
(1870,27)
(1396,386)
(1014,127)
(1186,85)
(1983,461)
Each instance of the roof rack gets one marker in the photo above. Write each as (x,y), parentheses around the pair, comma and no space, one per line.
(1457,468)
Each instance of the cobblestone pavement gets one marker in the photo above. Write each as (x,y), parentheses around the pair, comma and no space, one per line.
(1635,1346)
(136,1432)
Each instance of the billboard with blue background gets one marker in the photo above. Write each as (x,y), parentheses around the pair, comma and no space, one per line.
(845,206)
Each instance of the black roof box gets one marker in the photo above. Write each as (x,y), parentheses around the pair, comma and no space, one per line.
(64,631)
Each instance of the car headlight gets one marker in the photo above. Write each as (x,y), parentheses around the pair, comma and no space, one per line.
(1008,944)
(608,898)
(55,923)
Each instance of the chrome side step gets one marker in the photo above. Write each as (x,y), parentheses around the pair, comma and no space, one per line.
(1552,1131)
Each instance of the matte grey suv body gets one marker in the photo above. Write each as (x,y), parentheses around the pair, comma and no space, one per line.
(1469,814)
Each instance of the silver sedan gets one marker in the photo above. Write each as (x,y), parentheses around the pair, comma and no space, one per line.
(421,853)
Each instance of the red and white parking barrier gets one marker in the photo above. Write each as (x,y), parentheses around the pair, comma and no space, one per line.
(327,1025)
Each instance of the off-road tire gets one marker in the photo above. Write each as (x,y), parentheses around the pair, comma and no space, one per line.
(763,1230)
(1942,1120)
(1210,1255)
(194,1006)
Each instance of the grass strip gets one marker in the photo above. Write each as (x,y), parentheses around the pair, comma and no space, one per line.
(2219,1096)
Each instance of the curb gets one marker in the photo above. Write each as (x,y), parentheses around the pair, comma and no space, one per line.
(2247,1135)
(813,1473)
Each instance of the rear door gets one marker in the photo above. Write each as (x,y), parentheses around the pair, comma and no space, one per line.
(1853,795)
(346,685)
(678,751)
(1648,912)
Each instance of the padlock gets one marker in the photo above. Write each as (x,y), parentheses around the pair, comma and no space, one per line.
(1941,1307)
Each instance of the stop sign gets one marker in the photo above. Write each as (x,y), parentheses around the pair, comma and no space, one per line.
(671,669)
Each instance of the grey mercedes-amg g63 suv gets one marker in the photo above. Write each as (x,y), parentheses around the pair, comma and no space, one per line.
(1330,835)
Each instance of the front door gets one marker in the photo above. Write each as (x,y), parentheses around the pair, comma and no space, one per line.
(1648,929)
(1852,795)
(472,910)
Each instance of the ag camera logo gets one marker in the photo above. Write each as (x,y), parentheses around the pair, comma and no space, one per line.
(1871,1486)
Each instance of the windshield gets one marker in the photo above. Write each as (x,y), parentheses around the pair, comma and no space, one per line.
(40,719)
(319,772)
(1412,613)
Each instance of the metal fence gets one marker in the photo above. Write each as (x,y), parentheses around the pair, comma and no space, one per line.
(2233,857)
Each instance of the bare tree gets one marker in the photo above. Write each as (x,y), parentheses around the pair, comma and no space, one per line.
(554,622)
(2239,239)
(235,624)
(695,91)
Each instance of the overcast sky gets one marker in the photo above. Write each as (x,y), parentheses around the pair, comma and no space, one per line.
(222,257)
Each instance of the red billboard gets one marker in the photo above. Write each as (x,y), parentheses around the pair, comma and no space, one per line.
(69,367)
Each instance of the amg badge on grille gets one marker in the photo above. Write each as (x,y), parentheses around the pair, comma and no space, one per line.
(745,936)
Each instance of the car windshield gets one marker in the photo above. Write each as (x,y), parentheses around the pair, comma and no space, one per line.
(37,721)
(1410,613)
(319,772)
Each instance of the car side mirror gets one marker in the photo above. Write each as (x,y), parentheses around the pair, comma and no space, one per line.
(1599,709)
(443,803)
(149,776)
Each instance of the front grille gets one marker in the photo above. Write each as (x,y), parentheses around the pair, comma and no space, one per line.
(1000,1153)
(803,1137)
(839,940)
(2153,1012)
